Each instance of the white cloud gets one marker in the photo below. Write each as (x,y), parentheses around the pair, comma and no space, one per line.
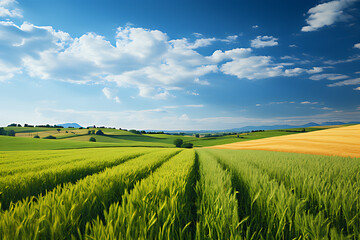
(355,81)
(293,72)
(307,102)
(8,9)
(140,58)
(315,70)
(293,46)
(326,14)
(350,59)
(258,105)
(194,93)
(358,88)
(195,105)
(184,117)
(231,38)
(253,67)
(255,26)
(264,41)
(328,76)
(326,108)
(201,82)
(357,45)
(109,94)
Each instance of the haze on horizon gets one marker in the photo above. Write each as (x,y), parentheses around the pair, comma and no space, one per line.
(181,64)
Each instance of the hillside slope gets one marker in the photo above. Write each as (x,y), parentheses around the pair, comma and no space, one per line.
(343,141)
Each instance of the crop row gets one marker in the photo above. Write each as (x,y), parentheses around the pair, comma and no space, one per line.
(63,212)
(278,197)
(59,169)
(196,194)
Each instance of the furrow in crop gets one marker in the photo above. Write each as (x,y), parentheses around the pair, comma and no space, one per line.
(63,212)
(20,186)
(154,209)
(217,204)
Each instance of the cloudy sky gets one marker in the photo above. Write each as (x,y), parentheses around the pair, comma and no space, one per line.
(180,64)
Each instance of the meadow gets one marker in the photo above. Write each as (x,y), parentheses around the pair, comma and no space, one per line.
(172,193)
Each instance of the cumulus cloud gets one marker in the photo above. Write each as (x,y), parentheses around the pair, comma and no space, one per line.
(357,45)
(326,14)
(355,81)
(255,26)
(140,58)
(328,76)
(264,41)
(8,9)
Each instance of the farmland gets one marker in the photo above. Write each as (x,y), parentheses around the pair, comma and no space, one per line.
(342,141)
(171,193)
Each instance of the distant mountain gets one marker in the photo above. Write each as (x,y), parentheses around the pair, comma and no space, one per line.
(271,127)
(66,125)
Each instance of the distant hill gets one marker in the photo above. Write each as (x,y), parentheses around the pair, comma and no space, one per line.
(267,127)
(273,127)
(66,125)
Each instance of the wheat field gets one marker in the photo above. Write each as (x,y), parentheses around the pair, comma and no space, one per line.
(343,141)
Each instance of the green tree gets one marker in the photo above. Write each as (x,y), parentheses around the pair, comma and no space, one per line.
(36,136)
(50,137)
(178,142)
(92,139)
(187,145)
(99,132)
(11,133)
(58,130)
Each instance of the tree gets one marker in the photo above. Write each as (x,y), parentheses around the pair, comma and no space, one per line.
(187,145)
(50,137)
(99,132)
(178,142)
(89,132)
(11,133)
(2,131)
(58,130)
(93,132)
(92,139)
(36,136)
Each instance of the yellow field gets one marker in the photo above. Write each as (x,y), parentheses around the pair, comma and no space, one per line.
(343,141)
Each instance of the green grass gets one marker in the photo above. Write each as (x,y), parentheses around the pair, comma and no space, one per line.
(78,138)
(21,144)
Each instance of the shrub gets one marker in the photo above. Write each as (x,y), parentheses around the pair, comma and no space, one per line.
(187,145)
(50,137)
(36,136)
(99,132)
(92,139)
(178,142)
(11,133)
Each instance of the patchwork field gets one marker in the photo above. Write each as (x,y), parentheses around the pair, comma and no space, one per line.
(71,188)
(342,141)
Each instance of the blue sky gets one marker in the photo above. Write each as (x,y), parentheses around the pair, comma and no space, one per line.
(179,64)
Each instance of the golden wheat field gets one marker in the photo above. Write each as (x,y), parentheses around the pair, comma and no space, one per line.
(343,141)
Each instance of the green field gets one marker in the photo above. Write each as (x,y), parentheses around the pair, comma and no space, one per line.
(74,138)
(171,193)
